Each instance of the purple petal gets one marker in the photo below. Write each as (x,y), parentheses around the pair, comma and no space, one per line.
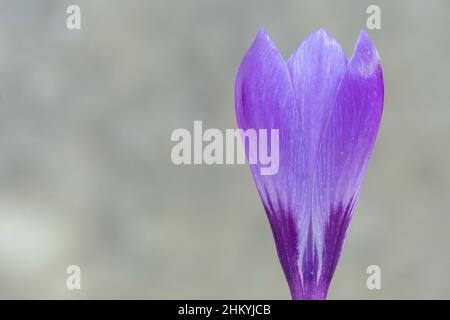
(344,152)
(316,69)
(328,114)
(265,100)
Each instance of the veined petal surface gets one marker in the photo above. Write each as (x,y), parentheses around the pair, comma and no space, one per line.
(264,99)
(327,112)
(345,150)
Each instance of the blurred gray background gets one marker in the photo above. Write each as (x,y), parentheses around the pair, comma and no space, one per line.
(85,170)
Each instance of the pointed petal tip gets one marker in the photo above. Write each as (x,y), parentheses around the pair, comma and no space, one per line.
(323,35)
(317,40)
(364,40)
(365,49)
(321,38)
(363,33)
(263,38)
(321,32)
(261,31)
(261,34)
(363,37)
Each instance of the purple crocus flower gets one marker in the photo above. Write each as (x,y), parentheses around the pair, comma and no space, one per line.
(327,111)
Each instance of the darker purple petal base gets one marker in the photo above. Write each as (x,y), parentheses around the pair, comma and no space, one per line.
(328,113)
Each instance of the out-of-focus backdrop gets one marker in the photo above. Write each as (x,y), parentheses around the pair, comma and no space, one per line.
(85,171)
